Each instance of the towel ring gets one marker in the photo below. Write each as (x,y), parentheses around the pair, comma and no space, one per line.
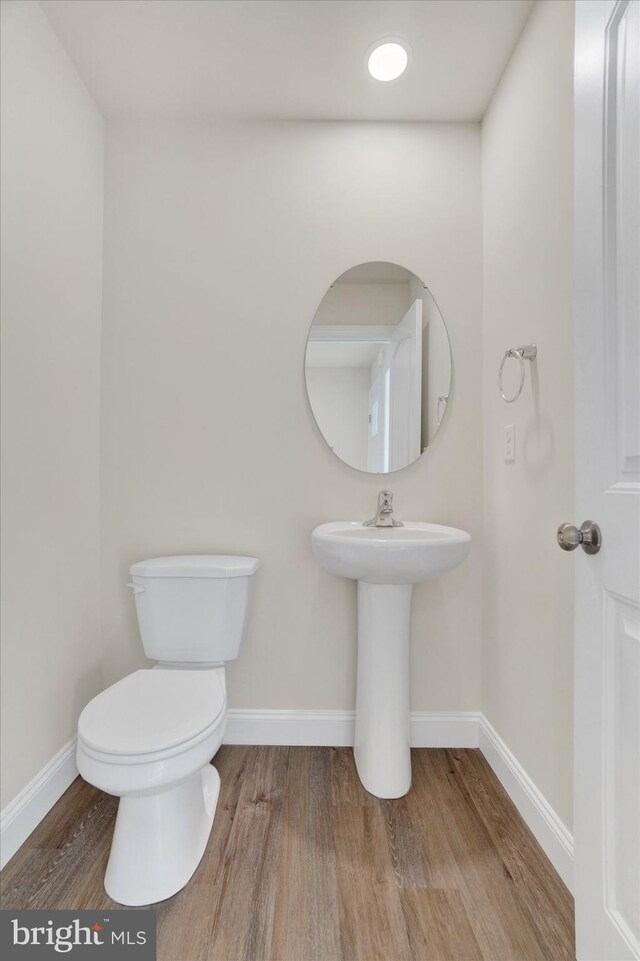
(528,352)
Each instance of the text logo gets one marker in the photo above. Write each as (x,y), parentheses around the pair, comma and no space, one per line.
(121,935)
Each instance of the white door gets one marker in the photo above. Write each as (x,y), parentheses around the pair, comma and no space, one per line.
(607,644)
(405,389)
(395,398)
(378,448)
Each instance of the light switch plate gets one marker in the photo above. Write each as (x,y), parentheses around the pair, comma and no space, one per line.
(509,443)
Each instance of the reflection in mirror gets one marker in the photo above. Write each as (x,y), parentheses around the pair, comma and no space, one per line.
(378,367)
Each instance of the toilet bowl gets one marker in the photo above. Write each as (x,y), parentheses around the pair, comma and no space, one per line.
(149,738)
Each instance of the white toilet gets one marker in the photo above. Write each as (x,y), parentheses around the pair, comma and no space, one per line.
(149,738)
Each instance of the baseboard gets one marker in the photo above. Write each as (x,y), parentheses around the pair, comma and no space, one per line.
(325,729)
(444,728)
(296,728)
(551,834)
(336,728)
(24,813)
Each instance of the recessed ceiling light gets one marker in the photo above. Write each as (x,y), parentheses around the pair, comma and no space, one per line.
(387,61)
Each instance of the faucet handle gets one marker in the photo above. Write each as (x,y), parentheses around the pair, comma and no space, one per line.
(385,500)
(384,515)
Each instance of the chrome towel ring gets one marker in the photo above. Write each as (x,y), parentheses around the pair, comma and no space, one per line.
(528,352)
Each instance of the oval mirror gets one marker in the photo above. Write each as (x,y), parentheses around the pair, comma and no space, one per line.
(378,367)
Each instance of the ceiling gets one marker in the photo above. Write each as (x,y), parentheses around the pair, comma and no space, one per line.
(287,59)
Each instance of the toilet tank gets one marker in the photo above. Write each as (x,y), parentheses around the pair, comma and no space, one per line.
(194,607)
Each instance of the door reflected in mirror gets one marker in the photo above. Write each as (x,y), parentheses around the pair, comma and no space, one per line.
(378,367)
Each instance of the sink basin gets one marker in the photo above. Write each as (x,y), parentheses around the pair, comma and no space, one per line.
(389,555)
(386,562)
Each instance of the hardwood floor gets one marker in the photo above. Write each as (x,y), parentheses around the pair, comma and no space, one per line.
(304,865)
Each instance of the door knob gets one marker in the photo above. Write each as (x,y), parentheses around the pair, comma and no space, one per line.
(589,537)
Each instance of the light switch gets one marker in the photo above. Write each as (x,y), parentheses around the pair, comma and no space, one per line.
(509,443)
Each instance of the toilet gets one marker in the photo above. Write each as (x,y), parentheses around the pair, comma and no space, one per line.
(149,739)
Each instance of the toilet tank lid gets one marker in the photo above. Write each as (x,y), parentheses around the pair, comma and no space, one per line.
(196,565)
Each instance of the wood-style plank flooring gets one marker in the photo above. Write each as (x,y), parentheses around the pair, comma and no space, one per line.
(304,865)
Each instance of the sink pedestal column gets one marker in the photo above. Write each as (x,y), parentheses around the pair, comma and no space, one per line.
(381,746)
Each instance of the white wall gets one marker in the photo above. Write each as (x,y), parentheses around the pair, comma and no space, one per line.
(220,242)
(340,399)
(527,169)
(52,204)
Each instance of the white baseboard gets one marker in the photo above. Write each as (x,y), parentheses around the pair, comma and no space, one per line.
(335,728)
(312,728)
(24,813)
(325,728)
(444,728)
(551,834)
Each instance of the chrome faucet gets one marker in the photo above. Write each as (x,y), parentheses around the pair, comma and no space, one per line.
(384,515)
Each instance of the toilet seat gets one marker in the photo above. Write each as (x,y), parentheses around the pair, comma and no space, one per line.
(152,714)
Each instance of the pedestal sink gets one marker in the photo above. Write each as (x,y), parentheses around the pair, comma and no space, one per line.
(386,562)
